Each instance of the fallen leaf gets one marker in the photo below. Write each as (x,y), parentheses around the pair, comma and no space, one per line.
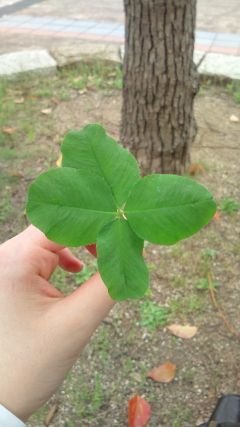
(216,216)
(92,249)
(59,161)
(164,373)
(82,92)
(19,101)
(195,168)
(17,174)
(234,118)
(51,414)
(47,111)
(9,130)
(139,412)
(55,100)
(180,331)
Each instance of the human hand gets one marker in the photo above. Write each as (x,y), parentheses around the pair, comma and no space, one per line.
(42,332)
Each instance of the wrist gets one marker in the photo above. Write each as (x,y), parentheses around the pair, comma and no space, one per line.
(8,419)
(18,408)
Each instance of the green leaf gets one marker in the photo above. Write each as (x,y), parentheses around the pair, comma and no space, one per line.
(120,261)
(69,206)
(91,149)
(166,208)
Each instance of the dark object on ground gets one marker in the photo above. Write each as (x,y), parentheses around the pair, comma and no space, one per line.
(226,412)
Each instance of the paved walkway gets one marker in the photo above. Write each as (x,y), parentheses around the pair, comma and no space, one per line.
(102,31)
(38,24)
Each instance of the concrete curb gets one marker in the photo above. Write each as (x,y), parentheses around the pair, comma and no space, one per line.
(209,64)
(26,60)
(218,65)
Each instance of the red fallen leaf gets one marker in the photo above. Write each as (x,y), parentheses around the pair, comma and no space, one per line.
(180,331)
(164,373)
(92,249)
(139,412)
(9,130)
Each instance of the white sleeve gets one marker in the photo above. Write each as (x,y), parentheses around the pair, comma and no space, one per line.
(7,419)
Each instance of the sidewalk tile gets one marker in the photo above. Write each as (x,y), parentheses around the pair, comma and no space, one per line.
(82,24)
(72,30)
(18,18)
(45,33)
(114,39)
(109,26)
(118,31)
(228,37)
(227,43)
(42,21)
(205,35)
(204,42)
(7,24)
(64,22)
(224,50)
(29,25)
(70,34)
(98,30)
(54,26)
(201,47)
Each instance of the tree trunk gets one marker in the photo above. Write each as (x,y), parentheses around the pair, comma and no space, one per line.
(160,83)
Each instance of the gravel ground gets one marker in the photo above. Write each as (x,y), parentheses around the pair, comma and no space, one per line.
(133,339)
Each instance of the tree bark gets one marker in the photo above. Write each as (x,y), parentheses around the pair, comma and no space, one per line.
(160,83)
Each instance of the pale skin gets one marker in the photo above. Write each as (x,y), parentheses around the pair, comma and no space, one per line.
(42,332)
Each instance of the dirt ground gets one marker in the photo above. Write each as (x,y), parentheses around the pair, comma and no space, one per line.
(197,280)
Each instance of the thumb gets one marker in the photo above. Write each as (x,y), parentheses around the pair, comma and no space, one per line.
(84,309)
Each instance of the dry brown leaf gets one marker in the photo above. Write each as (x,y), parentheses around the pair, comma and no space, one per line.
(164,373)
(17,174)
(51,414)
(59,161)
(181,331)
(234,119)
(9,130)
(47,111)
(216,216)
(195,169)
(19,101)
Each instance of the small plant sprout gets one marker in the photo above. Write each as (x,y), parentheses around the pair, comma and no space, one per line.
(98,195)
(229,206)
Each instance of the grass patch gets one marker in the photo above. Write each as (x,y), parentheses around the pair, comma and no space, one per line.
(209,253)
(153,315)
(185,305)
(86,273)
(180,416)
(234,89)
(102,344)
(5,205)
(203,284)
(229,206)
(87,397)
(94,75)
(7,153)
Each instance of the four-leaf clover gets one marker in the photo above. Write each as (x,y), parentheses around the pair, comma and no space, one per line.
(98,195)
